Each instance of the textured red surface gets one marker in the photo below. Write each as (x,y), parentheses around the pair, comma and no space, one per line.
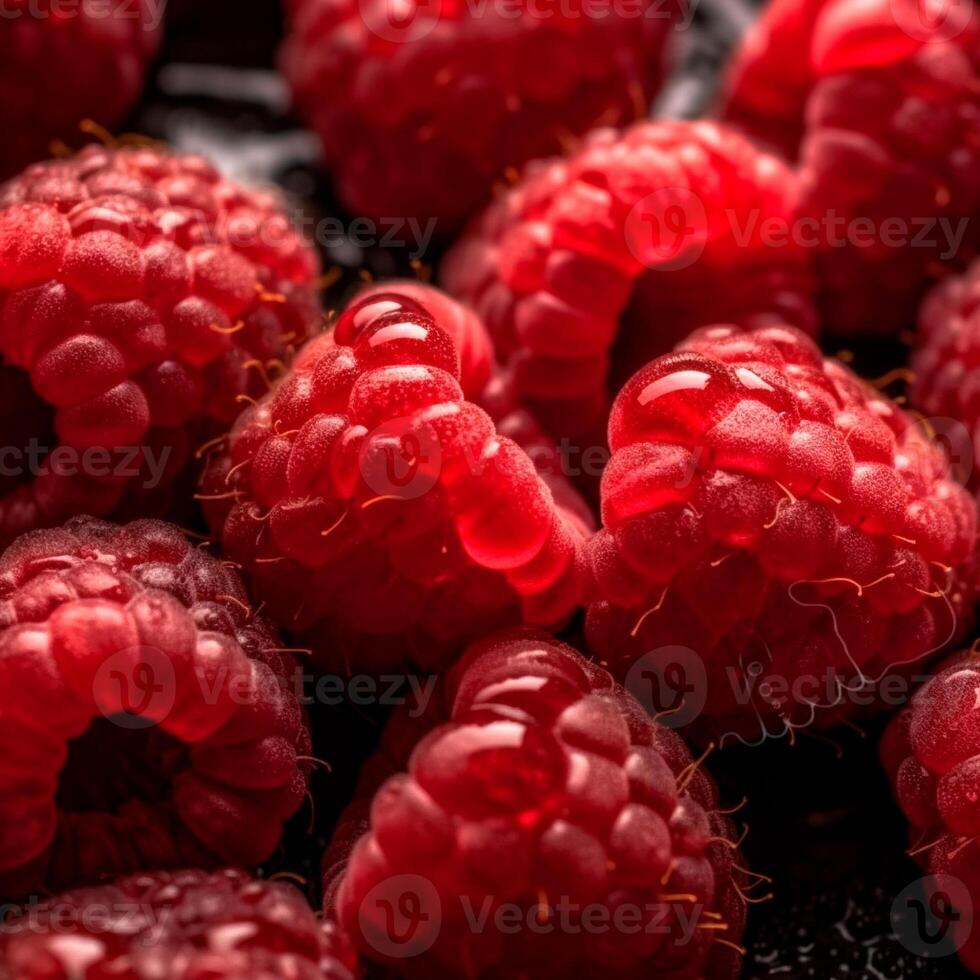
(147,719)
(140,295)
(421,107)
(770,512)
(63,63)
(596,263)
(545,782)
(184,925)
(881,102)
(378,512)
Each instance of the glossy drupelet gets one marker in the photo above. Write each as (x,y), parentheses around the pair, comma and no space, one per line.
(421,109)
(931,753)
(62,64)
(141,294)
(946,380)
(546,803)
(378,513)
(183,925)
(787,526)
(881,103)
(148,718)
(596,263)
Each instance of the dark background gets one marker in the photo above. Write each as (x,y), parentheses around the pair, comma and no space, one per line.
(822,822)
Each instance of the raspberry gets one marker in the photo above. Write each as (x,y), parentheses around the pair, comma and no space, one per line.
(146,718)
(665,224)
(930,752)
(945,384)
(546,796)
(782,521)
(61,65)
(890,156)
(141,294)
(421,110)
(184,925)
(377,512)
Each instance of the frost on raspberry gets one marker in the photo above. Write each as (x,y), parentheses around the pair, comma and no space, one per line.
(786,524)
(141,296)
(946,383)
(378,513)
(544,795)
(146,716)
(931,753)
(60,67)
(889,155)
(181,924)
(596,263)
(420,110)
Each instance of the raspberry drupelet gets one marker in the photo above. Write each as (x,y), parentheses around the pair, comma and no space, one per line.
(61,65)
(889,154)
(141,295)
(183,925)
(788,524)
(946,382)
(378,512)
(544,827)
(421,110)
(931,753)
(594,264)
(147,716)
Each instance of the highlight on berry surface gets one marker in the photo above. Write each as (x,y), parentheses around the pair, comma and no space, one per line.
(537,822)
(790,528)
(377,511)
(147,717)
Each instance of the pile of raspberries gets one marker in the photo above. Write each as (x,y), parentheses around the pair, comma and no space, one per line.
(599,494)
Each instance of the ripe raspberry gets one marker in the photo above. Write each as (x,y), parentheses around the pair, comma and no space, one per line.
(183,925)
(146,718)
(664,225)
(767,510)
(60,65)
(421,110)
(546,791)
(378,512)
(946,384)
(140,295)
(890,157)
(930,752)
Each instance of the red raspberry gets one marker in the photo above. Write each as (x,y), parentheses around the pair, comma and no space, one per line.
(931,752)
(141,294)
(421,109)
(183,925)
(547,792)
(378,512)
(666,224)
(946,384)
(890,157)
(146,718)
(781,520)
(61,64)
